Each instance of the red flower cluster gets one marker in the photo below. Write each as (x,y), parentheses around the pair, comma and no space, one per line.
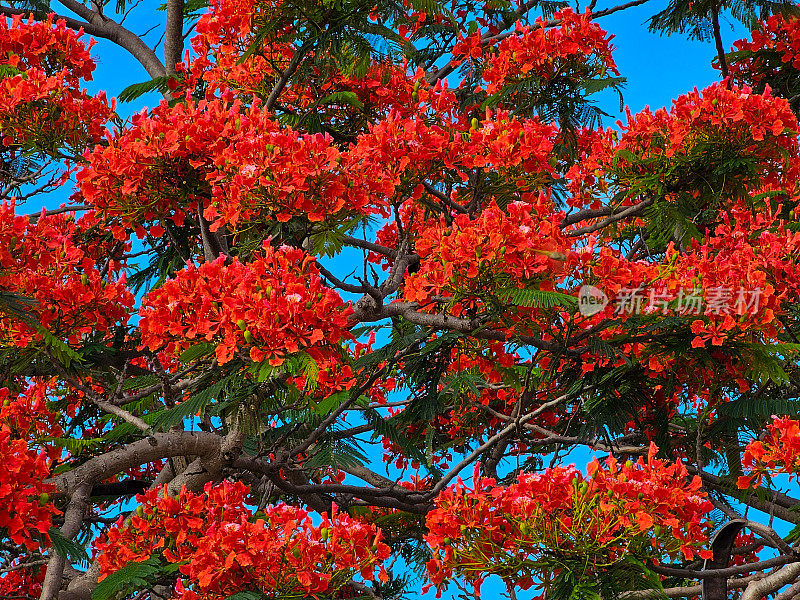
(777,452)
(404,150)
(41,103)
(276,305)
(223,35)
(545,521)
(222,548)
(27,512)
(27,415)
(700,131)
(219,66)
(775,36)
(577,45)
(497,249)
(55,277)
(22,582)
(234,162)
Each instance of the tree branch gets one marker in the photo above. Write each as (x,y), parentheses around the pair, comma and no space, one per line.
(769,563)
(159,445)
(106,28)
(70,22)
(771,583)
(683,592)
(173,36)
(73,519)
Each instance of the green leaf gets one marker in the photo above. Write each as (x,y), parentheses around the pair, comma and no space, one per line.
(197,351)
(8,71)
(623,154)
(348,98)
(245,596)
(61,351)
(67,547)
(255,45)
(196,403)
(530,297)
(136,90)
(327,405)
(133,576)
(76,445)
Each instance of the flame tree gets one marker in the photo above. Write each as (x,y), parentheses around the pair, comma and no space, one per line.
(325,322)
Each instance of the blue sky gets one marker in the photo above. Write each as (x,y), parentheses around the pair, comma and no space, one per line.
(660,68)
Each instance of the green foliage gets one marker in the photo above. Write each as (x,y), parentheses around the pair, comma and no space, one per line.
(530,297)
(136,575)
(77,445)
(68,548)
(197,351)
(137,90)
(62,352)
(693,18)
(337,454)
(245,596)
(578,582)
(8,71)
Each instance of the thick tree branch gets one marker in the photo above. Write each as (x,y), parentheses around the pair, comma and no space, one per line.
(290,69)
(769,563)
(173,36)
(778,504)
(771,583)
(159,445)
(372,247)
(628,211)
(394,497)
(106,28)
(70,22)
(683,592)
(73,519)
(367,310)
